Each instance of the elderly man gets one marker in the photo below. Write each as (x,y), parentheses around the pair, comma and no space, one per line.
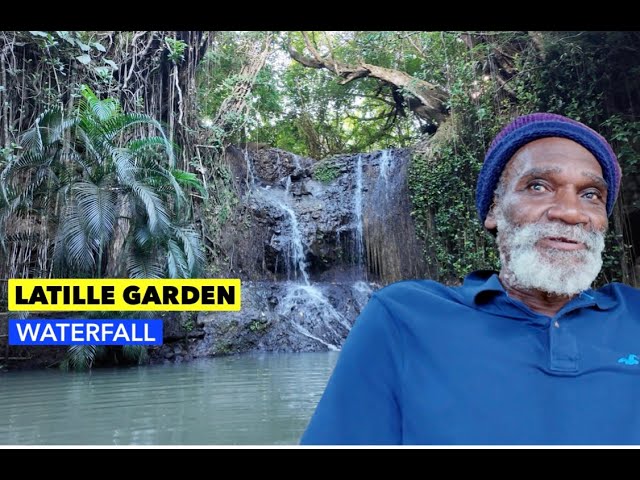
(532,355)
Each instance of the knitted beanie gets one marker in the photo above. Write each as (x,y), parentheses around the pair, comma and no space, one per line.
(531,127)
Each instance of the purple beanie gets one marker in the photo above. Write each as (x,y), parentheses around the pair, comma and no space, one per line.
(531,127)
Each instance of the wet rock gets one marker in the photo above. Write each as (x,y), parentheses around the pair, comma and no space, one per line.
(315,240)
(305,318)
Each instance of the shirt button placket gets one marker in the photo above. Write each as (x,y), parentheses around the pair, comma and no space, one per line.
(563,348)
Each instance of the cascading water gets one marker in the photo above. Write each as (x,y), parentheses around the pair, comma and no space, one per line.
(311,314)
(358,223)
(386,170)
(251,178)
(385,164)
(296,161)
(309,311)
(305,306)
(310,247)
(296,249)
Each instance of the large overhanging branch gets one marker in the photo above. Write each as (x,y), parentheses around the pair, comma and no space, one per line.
(430,98)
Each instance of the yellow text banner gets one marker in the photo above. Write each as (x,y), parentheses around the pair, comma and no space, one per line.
(72,294)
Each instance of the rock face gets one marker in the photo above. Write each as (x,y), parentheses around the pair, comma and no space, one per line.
(284,317)
(317,238)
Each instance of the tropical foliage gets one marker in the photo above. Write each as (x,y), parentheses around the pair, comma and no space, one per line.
(101,190)
(112,200)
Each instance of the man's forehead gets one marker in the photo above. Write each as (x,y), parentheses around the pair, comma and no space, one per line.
(552,155)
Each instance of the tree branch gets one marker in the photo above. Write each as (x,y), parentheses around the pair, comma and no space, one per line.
(431,98)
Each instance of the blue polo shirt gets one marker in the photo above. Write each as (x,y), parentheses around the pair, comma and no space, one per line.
(430,364)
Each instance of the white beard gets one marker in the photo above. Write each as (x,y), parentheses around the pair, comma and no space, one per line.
(554,271)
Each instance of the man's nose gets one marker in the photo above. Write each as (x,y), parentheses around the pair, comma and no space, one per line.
(567,208)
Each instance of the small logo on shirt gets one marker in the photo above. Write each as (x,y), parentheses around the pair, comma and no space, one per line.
(630,359)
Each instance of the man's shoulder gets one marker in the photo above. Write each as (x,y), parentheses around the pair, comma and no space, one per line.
(409,291)
(620,291)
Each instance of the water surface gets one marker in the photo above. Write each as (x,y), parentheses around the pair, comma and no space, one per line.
(261,399)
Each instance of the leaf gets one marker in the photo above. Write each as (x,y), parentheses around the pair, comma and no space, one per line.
(102,109)
(98,207)
(111,63)
(83,46)
(102,71)
(78,248)
(98,46)
(193,249)
(177,266)
(144,264)
(84,59)
(68,38)
(158,218)
(82,357)
(135,352)
(189,180)
(40,34)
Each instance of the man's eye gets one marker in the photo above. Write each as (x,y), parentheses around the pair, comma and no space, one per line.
(593,195)
(537,187)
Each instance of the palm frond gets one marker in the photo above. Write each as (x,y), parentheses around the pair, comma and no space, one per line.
(158,219)
(81,357)
(119,123)
(9,176)
(96,147)
(52,125)
(140,145)
(103,110)
(189,180)
(98,206)
(125,168)
(193,249)
(177,265)
(135,352)
(177,189)
(142,236)
(32,138)
(80,248)
(143,263)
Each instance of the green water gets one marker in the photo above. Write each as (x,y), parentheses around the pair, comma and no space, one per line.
(241,400)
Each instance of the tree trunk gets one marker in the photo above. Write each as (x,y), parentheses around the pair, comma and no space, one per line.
(234,107)
(116,267)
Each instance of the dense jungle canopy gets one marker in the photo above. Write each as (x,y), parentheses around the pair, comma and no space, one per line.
(112,143)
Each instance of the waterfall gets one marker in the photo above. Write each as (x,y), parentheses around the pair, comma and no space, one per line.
(385,164)
(358,227)
(297,255)
(308,310)
(296,161)
(251,178)
(312,315)
(386,167)
(301,247)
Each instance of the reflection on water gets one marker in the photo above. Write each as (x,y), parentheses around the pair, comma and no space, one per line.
(241,400)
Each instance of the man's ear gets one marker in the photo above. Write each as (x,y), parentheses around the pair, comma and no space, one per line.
(490,220)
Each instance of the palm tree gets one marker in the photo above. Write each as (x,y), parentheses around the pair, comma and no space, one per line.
(105,186)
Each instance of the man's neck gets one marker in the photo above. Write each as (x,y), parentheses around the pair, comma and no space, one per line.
(537,300)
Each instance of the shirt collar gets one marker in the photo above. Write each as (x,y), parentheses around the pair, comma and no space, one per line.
(482,284)
(603,297)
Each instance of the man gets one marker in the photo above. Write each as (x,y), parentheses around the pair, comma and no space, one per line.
(531,355)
